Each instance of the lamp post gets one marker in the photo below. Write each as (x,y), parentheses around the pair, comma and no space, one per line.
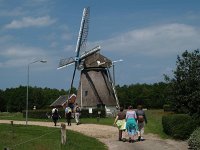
(42,61)
(113,65)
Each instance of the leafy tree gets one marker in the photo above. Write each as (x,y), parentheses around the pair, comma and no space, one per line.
(150,96)
(2,102)
(15,98)
(185,86)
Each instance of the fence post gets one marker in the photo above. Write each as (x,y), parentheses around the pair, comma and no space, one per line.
(63,133)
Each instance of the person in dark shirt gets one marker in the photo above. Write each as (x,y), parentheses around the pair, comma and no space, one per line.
(55,115)
(121,123)
(141,120)
(68,115)
(77,111)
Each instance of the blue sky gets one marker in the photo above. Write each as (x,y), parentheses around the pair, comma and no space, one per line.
(147,34)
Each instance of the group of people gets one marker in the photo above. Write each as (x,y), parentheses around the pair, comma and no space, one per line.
(70,112)
(131,121)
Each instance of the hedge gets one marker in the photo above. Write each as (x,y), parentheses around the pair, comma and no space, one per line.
(194,140)
(167,108)
(179,126)
(45,113)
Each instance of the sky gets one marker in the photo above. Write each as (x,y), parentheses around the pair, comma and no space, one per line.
(147,34)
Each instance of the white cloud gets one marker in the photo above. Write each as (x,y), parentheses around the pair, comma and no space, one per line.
(17,56)
(5,38)
(157,40)
(13,63)
(69,48)
(21,52)
(30,22)
(53,44)
(13,12)
(66,35)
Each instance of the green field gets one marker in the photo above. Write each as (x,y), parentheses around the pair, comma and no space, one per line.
(20,137)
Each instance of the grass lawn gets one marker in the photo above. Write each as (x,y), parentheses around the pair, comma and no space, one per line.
(20,137)
(154,124)
(154,118)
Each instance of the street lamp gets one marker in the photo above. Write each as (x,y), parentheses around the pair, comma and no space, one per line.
(42,61)
(113,65)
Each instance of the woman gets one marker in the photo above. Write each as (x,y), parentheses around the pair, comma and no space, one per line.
(131,124)
(121,123)
(142,120)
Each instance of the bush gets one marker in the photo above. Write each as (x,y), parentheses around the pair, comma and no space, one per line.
(38,114)
(194,140)
(95,113)
(179,126)
(44,113)
(167,107)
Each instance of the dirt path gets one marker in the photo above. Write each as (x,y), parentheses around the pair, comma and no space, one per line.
(108,135)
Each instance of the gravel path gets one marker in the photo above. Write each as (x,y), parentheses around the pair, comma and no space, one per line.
(108,135)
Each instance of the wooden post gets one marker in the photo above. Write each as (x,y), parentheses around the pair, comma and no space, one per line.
(63,133)
(12,129)
(11,122)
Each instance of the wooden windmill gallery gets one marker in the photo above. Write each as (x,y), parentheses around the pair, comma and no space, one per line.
(96,87)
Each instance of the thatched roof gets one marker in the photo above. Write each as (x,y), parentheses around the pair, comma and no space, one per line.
(62,100)
(59,102)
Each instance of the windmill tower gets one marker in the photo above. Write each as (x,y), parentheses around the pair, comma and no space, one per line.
(95,86)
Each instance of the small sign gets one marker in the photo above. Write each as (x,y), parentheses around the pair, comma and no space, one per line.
(90,110)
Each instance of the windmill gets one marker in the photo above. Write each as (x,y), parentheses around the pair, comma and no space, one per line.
(95,86)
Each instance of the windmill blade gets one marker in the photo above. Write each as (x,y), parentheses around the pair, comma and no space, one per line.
(81,42)
(92,51)
(65,62)
(83,32)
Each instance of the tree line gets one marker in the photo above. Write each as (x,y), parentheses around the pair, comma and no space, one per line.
(14,99)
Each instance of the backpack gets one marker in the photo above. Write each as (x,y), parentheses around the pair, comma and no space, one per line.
(78,109)
(140,119)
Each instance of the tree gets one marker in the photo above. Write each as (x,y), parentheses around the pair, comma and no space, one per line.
(150,96)
(185,86)
(14,99)
(2,102)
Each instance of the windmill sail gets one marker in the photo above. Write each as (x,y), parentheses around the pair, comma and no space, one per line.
(65,62)
(82,38)
(83,32)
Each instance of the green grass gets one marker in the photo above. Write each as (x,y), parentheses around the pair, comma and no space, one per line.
(154,124)
(154,118)
(20,137)
(101,121)
(11,116)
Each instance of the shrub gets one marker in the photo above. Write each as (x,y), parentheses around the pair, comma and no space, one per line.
(85,113)
(179,126)
(44,113)
(38,114)
(194,140)
(167,107)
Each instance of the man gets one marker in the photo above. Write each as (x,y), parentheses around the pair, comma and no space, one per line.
(68,115)
(55,115)
(77,111)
